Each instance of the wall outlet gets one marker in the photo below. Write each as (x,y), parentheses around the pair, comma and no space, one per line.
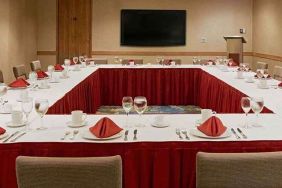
(243,30)
(204,39)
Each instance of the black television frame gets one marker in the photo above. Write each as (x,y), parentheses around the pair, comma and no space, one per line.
(123,43)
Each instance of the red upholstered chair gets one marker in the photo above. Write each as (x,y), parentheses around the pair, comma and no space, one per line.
(86,172)
(228,170)
(35,65)
(1,77)
(277,73)
(262,65)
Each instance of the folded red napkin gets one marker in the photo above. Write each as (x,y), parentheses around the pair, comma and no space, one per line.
(280,85)
(2,131)
(19,83)
(104,128)
(41,74)
(58,67)
(212,127)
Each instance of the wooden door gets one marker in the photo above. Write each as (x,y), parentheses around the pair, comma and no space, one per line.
(74,28)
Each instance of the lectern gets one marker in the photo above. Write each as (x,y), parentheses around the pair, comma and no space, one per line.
(235,48)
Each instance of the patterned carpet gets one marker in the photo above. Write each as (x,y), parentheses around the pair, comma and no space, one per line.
(190,109)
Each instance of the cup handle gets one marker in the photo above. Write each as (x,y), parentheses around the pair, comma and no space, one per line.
(84,117)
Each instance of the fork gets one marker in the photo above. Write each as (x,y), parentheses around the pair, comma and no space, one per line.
(177,131)
(186,134)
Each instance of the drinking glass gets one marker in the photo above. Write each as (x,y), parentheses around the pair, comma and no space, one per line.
(41,107)
(127,104)
(27,105)
(32,78)
(257,105)
(67,64)
(246,106)
(3,91)
(140,105)
(260,73)
(265,73)
(81,59)
(50,71)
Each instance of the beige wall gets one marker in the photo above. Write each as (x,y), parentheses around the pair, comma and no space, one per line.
(267,30)
(205,18)
(18,35)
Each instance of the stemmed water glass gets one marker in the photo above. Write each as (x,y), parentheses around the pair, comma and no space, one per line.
(140,105)
(27,105)
(32,77)
(41,107)
(51,69)
(67,64)
(246,106)
(3,91)
(127,104)
(81,59)
(257,105)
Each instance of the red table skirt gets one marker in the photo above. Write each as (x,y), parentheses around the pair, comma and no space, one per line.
(145,165)
(171,86)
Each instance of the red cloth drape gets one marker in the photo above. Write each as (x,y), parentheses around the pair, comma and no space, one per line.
(145,164)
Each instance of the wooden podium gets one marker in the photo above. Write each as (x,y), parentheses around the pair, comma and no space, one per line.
(235,48)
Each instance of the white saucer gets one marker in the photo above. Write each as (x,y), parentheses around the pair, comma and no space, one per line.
(45,87)
(88,135)
(198,133)
(10,124)
(64,77)
(248,81)
(2,136)
(158,125)
(54,81)
(71,125)
(260,87)
(75,69)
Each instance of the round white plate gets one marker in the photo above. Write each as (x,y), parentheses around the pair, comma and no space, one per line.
(157,125)
(75,69)
(54,81)
(198,133)
(88,135)
(71,125)
(2,136)
(10,124)
(260,87)
(248,81)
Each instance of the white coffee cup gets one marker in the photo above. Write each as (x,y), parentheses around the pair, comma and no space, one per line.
(7,108)
(250,79)
(206,114)
(92,63)
(83,64)
(24,95)
(262,83)
(172,63)
(240,74)
(131,63)
(159,120)
(77,67)
(78,116)
(17,117)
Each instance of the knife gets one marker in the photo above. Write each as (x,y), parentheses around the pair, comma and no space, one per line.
(244,136)
(135,134)
(11,136)
(233,131)
(20,135)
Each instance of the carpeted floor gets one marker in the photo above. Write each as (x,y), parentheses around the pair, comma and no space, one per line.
(190,109)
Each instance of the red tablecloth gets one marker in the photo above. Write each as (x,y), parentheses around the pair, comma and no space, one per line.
(171,86)
(145,165)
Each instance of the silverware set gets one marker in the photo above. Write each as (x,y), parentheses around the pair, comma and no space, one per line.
(126,135)
(237,135)
(14,136)
(67,133)
(184,132)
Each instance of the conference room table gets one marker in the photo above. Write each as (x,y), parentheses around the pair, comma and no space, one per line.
(157,158)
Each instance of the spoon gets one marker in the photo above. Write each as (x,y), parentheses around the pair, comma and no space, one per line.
(75,132)
(66,134)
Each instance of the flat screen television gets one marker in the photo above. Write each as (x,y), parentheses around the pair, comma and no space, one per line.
(153,27)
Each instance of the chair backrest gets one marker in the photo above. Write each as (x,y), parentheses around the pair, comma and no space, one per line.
(277,73)
(262,65)
(44,172)
(226,170)
(1,77)
(136,61)
(19,71)
(166,61)
(99,61)
(35,65)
